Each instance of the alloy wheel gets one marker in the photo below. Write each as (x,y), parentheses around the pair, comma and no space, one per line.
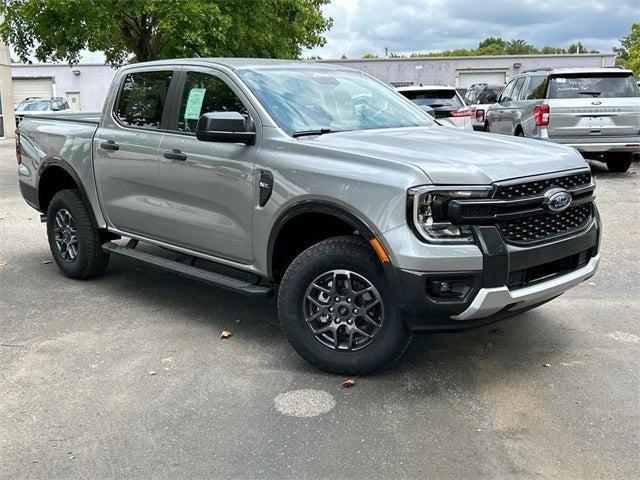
(343,309)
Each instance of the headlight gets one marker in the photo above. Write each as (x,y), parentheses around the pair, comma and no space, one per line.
(427,209)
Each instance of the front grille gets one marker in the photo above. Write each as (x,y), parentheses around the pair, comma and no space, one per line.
(546,226)
(527,189)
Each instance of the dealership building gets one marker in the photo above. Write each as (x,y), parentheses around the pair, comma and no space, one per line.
(85,86)
(464,71)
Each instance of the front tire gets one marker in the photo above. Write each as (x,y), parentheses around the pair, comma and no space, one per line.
(618,161)
(336,308)
(74,241)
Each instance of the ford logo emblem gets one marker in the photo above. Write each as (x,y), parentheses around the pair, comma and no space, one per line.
(557,199)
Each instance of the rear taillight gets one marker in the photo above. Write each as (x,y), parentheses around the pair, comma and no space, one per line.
(463,112)
(18,154)
(480,115)
(541,115)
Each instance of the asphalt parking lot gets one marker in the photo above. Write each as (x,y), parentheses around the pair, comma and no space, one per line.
(125,376)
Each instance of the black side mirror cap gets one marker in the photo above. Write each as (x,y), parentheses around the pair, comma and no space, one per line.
(226,127)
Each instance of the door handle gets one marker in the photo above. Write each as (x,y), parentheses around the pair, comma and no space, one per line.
(109,145)
(174,154)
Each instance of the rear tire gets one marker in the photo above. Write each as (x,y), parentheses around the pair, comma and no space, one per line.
(74,241)
(323,315)
(618,161)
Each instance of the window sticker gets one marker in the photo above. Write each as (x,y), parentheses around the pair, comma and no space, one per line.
(194,103)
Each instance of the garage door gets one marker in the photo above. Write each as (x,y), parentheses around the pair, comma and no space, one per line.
(31,87)
(492,78)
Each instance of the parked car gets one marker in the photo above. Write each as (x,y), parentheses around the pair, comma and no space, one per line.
(596,111)
(445,102)
(479,97)
(318,184)
(40,105)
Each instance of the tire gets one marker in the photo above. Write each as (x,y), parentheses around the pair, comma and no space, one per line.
(387,337)
(73,239)
(618,161)
(519,133)
(486,127)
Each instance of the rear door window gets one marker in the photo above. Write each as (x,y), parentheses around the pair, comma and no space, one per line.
(515,95)
(506,93)
(142,99)
(436,99)
(603,85)
(205,93)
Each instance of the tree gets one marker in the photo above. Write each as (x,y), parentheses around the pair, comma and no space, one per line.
(520,47)
(494,42)
(141,30)
(579,48)
(369,55)
(629,50)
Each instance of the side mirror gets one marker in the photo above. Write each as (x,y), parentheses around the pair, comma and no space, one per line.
(226,127)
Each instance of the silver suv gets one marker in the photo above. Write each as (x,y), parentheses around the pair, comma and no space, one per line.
(596,111)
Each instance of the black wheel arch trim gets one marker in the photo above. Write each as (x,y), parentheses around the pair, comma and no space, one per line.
(58,162)
(344,214)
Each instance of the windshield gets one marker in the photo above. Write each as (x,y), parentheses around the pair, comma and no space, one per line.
(320,99)
(34,106)
(436,99)
(594,85)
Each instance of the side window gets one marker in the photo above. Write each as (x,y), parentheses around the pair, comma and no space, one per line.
(205,93)
(517,88)
(506,94)
(536,88)
(142,98)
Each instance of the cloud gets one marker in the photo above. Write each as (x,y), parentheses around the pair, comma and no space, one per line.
(362,26)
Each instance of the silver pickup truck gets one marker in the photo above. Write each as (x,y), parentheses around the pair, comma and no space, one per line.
(321,185)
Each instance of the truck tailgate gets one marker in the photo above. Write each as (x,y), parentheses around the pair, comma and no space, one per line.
(594,117)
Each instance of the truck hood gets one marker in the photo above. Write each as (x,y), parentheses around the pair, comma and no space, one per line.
(454,156)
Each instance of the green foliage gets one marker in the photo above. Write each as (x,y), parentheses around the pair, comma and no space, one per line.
(369,55)
(498,46)
(141,30)
(629,50)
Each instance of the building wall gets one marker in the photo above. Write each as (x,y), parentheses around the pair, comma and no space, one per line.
(92,82)
(6,94)
(446,70)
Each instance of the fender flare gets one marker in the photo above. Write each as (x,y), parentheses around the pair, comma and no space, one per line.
(344,214)
(58,162)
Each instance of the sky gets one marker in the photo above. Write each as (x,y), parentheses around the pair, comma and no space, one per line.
(405,26)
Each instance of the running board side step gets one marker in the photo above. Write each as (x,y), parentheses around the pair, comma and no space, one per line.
(217,279)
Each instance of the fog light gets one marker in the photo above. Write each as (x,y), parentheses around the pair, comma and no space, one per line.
(450,288)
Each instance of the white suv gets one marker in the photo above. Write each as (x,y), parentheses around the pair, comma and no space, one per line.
(445,102)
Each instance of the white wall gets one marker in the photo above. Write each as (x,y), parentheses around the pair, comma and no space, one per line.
(6,94)
(446,70)
(92,83)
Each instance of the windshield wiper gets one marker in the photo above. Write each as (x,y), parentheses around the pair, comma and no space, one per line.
(319,131)
(593,93)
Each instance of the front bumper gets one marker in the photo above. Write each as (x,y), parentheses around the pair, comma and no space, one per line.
(510,280)
(489,301)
